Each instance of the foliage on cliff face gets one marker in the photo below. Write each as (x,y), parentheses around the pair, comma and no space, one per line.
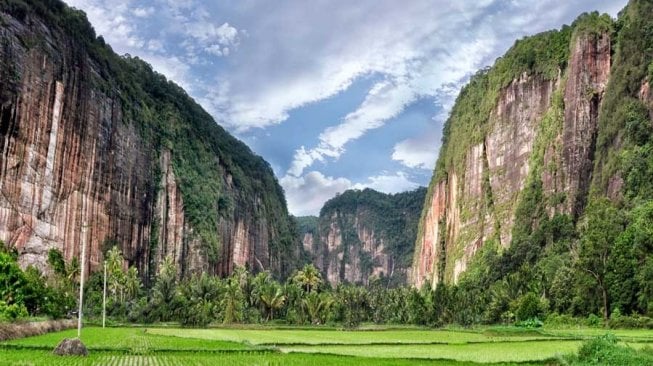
(544,55)
(392,217)
(630,67)
(218,175)
(595,263)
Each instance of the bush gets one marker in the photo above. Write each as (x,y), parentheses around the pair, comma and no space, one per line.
(531,323)
(634,321)
(12,312)
(529,307)
(605,350)
(594,321)
(563,320)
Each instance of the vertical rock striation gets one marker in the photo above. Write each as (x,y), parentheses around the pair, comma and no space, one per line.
(540,127)
(363,234)
(90,138)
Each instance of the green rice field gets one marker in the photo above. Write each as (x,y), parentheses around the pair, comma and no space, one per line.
(266,346)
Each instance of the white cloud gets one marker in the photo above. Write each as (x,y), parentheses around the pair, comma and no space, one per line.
(388,98)
(143,12)
(307,194)
(155,45)
(295,53)
(419,152)
(388,183)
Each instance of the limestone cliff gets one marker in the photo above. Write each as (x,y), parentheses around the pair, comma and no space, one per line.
(530,120)
(100,148)
(360,234)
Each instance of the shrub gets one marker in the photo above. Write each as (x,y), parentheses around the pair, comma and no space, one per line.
(634,321)
(594,321)
(531,323)
(529,307)
(12,312)
(563,320)
(605,350)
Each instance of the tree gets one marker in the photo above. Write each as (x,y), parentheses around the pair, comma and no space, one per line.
(232,302)
(317,306)
(73,271)
(197,300)
(528,307)
(165,289)
(115,274)
(56,262)
(309,277)
(272,297)
(600,229)
(12,280)
(132,283)
(260,281)
(353,302)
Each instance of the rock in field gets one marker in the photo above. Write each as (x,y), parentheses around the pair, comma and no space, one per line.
(71,347)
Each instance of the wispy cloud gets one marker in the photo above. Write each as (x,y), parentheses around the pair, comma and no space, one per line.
(251,63)
(307,194)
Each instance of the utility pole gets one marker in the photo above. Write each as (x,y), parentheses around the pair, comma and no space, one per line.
(81,282)
(104,296)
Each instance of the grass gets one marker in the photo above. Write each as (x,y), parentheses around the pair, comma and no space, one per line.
(38,358)
(134,340)
(638,335)
(478,352)
(335,337)
(305,346)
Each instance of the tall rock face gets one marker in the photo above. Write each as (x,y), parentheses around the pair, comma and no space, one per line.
(528,124)
(100,149)
(363,234)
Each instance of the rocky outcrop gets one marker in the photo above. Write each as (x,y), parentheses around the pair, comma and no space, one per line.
(91,151)
(476,202)
(364,234)
(589,70)
(71,347)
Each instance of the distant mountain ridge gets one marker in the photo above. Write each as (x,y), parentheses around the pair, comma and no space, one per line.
(364,233)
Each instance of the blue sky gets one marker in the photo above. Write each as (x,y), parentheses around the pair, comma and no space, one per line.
(334,94)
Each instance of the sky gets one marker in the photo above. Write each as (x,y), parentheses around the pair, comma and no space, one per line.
(334,94)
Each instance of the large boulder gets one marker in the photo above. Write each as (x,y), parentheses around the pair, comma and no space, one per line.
(71,347)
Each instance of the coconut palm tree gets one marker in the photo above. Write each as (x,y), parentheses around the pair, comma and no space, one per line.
(317,306)
(259,281)
(165,289)
(232,302)
(116,276)
(72,271)
(272,297)
(309,277)
(132,283)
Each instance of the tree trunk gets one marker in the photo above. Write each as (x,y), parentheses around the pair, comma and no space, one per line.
(606,311)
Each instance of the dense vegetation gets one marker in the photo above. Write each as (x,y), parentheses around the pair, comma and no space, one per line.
(203,153)
(391,217)
(595,265)
(304,299)
(28,292)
